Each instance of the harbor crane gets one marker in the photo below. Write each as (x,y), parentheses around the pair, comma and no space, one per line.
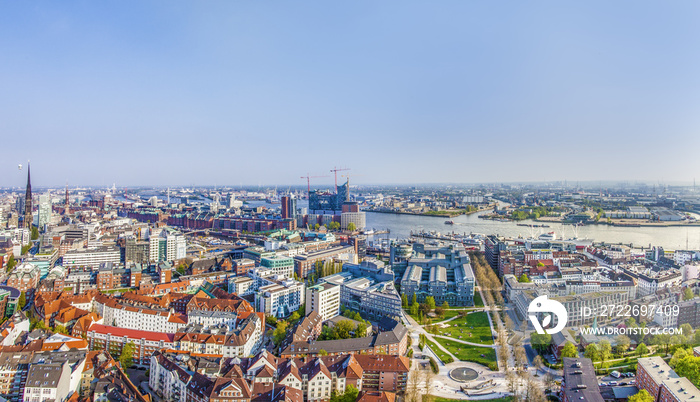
(347,176)
(335,171)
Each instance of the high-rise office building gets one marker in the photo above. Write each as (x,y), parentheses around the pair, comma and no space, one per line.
(289,207)
(44,216)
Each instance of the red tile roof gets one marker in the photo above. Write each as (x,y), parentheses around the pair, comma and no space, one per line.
(132,333)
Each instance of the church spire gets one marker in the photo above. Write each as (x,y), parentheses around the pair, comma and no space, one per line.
(28,209)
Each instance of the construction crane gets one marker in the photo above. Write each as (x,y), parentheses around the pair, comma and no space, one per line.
(347,176)
(308,182)
(335,171)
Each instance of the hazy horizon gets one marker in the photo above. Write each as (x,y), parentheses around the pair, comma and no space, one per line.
(172,94)
(584,185)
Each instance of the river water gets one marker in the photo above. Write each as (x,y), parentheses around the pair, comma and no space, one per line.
(401,225)
(672,238)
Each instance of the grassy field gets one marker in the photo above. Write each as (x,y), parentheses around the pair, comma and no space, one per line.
(473,327)
(439,352)
(439,399)
(470,353)
(477,300)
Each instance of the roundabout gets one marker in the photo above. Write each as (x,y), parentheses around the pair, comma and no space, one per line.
(464,374)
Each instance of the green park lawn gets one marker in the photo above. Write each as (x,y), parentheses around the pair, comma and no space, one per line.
(473,327)
(470,353)
(477,300)
(439,352)
(440,399)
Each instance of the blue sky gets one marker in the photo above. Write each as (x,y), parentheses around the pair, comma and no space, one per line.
(179,93)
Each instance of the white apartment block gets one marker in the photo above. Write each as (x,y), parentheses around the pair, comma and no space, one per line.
(324,299)
(358,218)
(166,245)
(280,297)
(649,285)
(92,257)
(212,318)
(241,285)
(279,265)
(168,379)
(141,318)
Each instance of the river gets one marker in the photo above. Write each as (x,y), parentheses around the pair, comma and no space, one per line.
(400,226)
(667,237)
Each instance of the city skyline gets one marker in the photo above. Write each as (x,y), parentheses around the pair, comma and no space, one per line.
(248,93)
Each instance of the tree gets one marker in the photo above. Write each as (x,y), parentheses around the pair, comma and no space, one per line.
(605,350)
(280,333)
(317,226)
(404,300)
(540,342)
(126,358)
(538,362)
(350,394)
(592,352)
(688,294)
(333,226)
(412,389)
(40,324)
(569,350)
(60,329)
(351,227)
(428,377)
(512,382)
(430,302)
(35,233)
(322,352)
(22,301)
(343,328)
(294,317)
(271,320)
(689,367)
(534,392)
(360,330)
(414,299)
(25,249)
(11,263)
(181,268)
(642,349)
(524,279)
(439,311)
(509,324)
(687,331)
(623,343)
(662,340)
(679,355)
(414,308)
(446,305)
(549,381)
(641,396)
